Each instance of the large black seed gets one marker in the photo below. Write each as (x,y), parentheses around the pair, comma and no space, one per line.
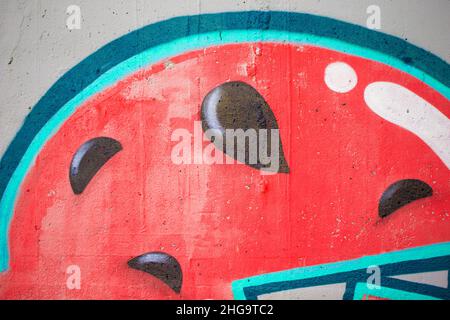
(88,160)
(237,105)
(160,265)
(400,194)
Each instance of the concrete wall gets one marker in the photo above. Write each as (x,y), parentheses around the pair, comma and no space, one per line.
(359,180)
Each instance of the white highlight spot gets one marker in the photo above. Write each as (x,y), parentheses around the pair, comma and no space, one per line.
(340,77)
(404,108)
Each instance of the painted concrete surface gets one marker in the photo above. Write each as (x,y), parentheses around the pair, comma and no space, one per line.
(95,206)
(36,48)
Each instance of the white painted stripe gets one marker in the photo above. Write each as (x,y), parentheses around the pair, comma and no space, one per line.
(406,109)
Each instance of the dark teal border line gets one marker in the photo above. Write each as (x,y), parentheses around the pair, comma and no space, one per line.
(430,258)
(351,278)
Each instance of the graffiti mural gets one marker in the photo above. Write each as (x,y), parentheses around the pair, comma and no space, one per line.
(356,208)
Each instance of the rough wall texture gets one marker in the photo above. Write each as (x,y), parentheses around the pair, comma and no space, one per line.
(110,190)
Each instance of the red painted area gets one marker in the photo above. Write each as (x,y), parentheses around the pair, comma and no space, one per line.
(223,222)
(371,297)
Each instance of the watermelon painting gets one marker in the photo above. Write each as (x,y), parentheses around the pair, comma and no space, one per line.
(363,181)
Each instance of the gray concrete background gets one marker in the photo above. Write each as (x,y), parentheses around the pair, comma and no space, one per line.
(36,47)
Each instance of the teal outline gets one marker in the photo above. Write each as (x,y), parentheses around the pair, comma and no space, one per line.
(418,253)
(159,53)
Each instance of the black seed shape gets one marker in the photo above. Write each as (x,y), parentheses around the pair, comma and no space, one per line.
(162,266)
(400,194)
(88,160)
(237,105)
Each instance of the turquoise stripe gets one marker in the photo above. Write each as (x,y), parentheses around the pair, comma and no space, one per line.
(418,253)
(162,52)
